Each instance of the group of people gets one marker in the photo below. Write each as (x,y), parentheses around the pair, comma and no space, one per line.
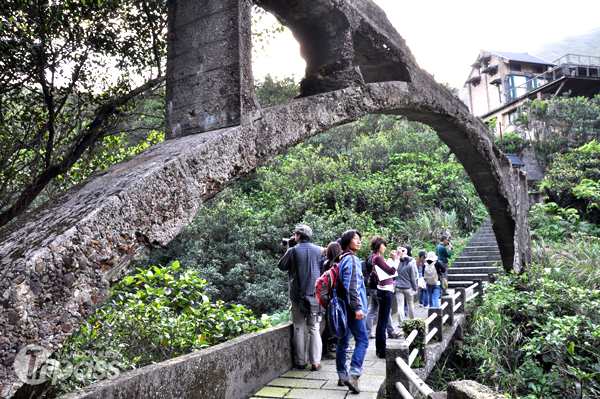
(399,275)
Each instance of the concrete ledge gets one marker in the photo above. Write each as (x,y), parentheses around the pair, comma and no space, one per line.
(470,390)
(232,370)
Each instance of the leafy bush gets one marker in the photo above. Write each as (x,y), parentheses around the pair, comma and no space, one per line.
(513,143)
(537,335)
(408,326)
(568,171)
(550,220)
(152,316)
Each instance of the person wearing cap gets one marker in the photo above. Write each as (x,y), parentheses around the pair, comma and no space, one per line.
(351,289)
(302,263)
(433,291)
(444,251)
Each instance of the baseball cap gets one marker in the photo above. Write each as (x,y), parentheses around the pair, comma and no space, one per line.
(304,230)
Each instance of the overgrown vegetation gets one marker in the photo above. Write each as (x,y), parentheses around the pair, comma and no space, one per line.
(154,315)
(381,175)
(536,336)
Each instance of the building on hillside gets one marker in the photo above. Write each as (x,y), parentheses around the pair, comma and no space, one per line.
(500,82)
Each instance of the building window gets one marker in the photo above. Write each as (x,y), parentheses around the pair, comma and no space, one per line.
(538,69)
(513,115)
(515,67)
(517,86)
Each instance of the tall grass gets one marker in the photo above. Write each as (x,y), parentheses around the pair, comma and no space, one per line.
(575,261)
(428,225)
(536,336)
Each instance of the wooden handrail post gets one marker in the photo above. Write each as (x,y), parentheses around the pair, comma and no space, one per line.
(393,373)
(479,287)
(449,310)
(462,299)
(437,323)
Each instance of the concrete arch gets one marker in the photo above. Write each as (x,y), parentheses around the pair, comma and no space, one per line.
(58,262)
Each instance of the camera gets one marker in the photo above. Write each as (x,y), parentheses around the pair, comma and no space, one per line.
(292,241)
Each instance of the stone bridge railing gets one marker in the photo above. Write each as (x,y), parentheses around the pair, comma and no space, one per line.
(58,262)
(445,323)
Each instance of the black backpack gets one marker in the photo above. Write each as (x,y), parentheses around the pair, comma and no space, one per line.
(367,268)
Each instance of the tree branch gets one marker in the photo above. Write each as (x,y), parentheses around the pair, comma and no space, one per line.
(92,133)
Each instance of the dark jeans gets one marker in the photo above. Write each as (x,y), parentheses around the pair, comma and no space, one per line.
(325,335)
(385,307)
(359,332)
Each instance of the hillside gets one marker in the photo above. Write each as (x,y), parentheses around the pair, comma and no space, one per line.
(584,44)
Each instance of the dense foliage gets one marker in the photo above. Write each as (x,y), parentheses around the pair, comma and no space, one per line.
(555,125)
(151,316)
(537,335)
(572,180)
(382,175)
(67,82)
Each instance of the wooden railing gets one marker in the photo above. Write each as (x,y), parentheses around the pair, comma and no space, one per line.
(434,328)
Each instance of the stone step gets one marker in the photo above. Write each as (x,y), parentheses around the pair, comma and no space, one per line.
(488,248)
(462,283)
(467,277)
(473,270)
(482,243)
(475,264)
(474,258)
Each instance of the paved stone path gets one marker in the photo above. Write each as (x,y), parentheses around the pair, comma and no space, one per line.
(322,384)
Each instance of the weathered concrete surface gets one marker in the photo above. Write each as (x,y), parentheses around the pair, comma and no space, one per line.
(470,390)
(209,70)
(58,262)
(232,370)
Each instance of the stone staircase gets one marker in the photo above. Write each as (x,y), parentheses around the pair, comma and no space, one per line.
(480,257)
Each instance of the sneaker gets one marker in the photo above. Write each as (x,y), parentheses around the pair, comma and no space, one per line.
(352,383)
(328,355)
(342,382)
(301,367)
(316,367)
(350,349)
(395,336)
(380,355)
(371,336)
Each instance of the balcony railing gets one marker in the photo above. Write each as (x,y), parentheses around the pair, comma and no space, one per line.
(574,69)
(578,59)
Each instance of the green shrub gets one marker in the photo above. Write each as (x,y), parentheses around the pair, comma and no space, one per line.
(537,335)
(568,171)
(408,326)
(154,315)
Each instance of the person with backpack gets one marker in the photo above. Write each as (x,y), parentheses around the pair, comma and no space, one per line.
(373,306)
(352,290)
(302,262)
(405,285)
(333,250)
(385,289)
(432,274)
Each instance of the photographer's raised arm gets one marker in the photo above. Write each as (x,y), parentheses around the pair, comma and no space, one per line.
(285,263)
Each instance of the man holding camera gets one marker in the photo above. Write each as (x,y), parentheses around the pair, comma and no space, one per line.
(302,264)
(444,251)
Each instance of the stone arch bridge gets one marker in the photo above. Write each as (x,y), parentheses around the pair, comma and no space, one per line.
(58,262)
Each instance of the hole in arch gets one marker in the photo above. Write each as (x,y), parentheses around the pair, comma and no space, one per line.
(277,66)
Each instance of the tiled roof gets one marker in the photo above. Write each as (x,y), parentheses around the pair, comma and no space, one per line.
(522,57)
(514,159)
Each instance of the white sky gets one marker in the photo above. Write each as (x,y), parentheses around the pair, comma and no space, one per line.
(446,36)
